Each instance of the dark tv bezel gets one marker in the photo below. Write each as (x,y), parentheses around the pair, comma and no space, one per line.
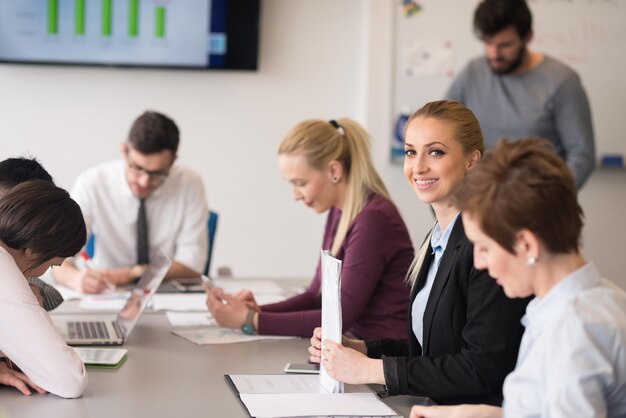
(241,54)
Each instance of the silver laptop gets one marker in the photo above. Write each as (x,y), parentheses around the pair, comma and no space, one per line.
(77,330)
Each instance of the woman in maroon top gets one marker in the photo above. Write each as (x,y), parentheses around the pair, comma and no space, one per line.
(329,168)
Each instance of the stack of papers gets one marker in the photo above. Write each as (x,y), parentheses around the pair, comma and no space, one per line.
(297,396)
(331,313)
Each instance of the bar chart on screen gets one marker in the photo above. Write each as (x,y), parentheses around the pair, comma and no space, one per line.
(124,32)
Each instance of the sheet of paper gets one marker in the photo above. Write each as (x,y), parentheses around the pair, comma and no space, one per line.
(261,299)
(70,294)
(110,301)
(217,335)
(284,383)
(277,383)
(258,287)
(266,299)
(429,59)
(179,302)
(331,312)
(313,404)
(189,319)
(67,293)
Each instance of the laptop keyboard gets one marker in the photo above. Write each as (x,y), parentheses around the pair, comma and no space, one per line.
(88,330)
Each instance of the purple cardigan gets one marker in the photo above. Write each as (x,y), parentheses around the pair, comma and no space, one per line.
(376,255)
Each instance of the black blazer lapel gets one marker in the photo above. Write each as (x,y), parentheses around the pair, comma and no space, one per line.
(422,275)
(414,346)
(457,237)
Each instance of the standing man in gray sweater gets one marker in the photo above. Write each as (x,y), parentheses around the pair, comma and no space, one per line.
(515,92)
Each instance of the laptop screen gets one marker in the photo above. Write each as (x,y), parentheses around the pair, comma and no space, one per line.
(142,293)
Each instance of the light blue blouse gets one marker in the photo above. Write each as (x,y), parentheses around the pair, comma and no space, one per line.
(438,242)
(572,359)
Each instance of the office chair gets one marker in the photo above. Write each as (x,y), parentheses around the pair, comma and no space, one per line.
(89,245)
(211,227)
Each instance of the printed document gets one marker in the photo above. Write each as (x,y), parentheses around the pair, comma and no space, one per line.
(217,335)
(179,302)
(315,404)
(303,395)
(190,319)
(285,383)
(331,313)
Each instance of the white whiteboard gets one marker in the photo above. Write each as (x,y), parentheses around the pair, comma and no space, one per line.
(589,35)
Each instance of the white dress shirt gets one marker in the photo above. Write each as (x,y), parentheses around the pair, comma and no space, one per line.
(572,358)
(177,215)
(28,338)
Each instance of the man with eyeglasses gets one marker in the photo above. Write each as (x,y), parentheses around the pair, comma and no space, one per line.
(137,204)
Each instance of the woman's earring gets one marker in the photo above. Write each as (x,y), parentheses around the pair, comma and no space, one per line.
(335,179)
(531,261)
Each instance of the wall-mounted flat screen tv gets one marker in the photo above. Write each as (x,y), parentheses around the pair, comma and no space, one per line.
(201,34)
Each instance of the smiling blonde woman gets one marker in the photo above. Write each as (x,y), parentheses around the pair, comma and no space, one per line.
(463,333)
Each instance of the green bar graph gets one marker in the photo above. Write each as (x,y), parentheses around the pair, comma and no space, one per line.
(53,17)
(159,22)
(79,17)
(107,17)
(133,18)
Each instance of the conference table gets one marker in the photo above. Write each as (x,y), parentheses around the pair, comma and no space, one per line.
(168,376)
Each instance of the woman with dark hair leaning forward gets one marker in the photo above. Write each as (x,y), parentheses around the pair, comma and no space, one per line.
(521,212)
(40,225)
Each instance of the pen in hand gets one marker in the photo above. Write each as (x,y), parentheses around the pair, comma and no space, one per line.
(87,260)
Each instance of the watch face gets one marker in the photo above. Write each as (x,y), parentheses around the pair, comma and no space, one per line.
(247,329)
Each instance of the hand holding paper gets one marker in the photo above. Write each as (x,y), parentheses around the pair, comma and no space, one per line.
(315,350)
(350,366)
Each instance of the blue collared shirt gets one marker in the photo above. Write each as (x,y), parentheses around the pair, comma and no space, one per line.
(438,242)
(572,358)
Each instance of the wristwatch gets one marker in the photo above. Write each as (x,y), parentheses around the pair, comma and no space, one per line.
(247,327)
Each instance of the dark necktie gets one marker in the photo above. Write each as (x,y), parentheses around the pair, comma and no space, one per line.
(142,234)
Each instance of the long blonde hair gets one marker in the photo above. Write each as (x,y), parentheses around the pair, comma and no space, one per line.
(345,141)
(466,131)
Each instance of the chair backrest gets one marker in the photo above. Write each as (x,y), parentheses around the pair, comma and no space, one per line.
(212,228)
(90,245)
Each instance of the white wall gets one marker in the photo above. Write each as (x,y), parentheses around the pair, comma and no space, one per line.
(231,124)
(321,59)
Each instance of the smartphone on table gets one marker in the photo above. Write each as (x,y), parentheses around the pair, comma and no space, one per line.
(302,368)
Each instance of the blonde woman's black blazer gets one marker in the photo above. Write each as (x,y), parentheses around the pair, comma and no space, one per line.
(472,333)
